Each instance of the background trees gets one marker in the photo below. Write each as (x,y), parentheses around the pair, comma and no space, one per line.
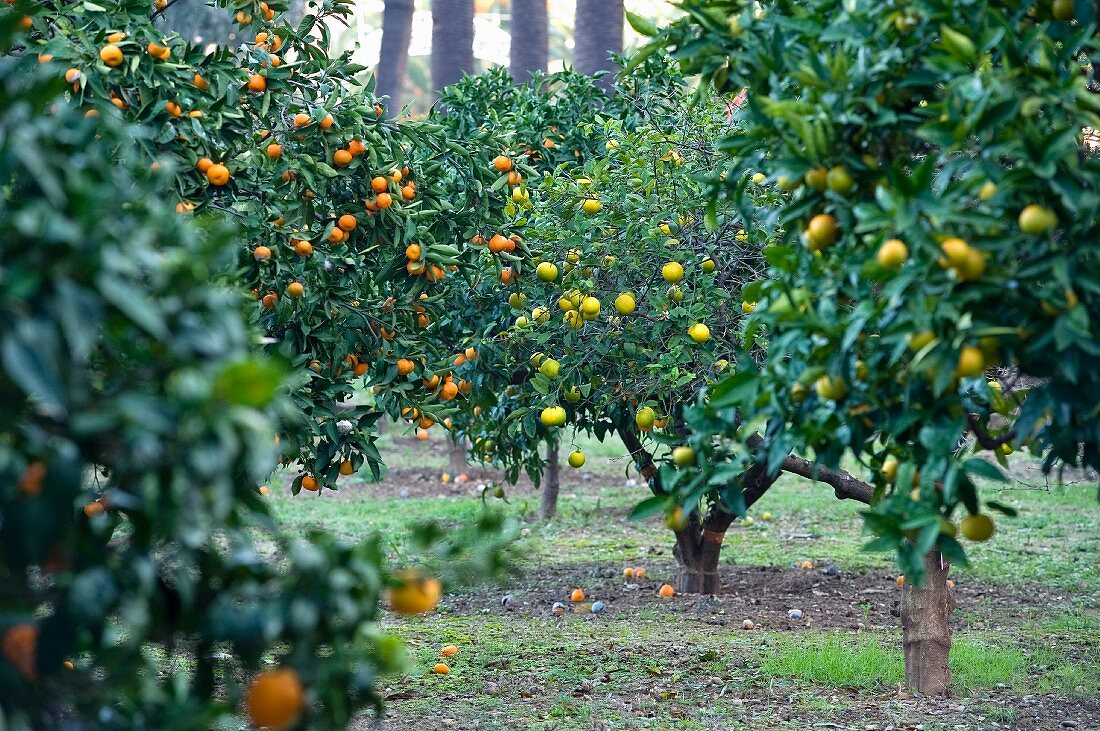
(598,33)
(529,49)
(452,41)
(394,55)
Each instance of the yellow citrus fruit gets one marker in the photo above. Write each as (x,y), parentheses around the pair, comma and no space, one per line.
(576,459)
(977,527)
(1035,220)
(415,594)
(625,303)
(550,368)
(918,341)
(672,272)
(817,178)
(892,254)
(839,180)
(699,332)
(591,206)
(553,416)
(830,388)
(683,456)
(111,55)
(590,308)
(546,271)
(821,231)
(971,362)
(987,191)
(645,418)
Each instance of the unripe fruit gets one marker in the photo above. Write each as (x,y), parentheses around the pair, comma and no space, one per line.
(576,459)
(550,368)
(1036,220)
(830,388)
(553,416)
(839,180)
(683,456)
(821,231)
(546,271)
(971,362)
(977,527)
(645,418)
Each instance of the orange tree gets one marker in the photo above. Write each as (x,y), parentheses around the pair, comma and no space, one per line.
(351,223)
(144,583)
(932,296)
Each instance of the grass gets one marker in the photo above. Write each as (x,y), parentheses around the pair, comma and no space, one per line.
(645,666)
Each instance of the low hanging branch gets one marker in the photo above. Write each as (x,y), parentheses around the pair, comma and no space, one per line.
(845,486)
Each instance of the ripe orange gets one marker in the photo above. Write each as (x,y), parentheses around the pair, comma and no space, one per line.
(449,392)
(261,253)
(441,668)
(173,109)
(301,119)
(449,651)
(204,164)
(257,83)
(502,163)
(309,482)
(303,248)
(639,572)
(405,366)
(269,300)
(94,508)
(295,290)
(628,573)
(666,590)
(158,51)
(379,184)
(111,55)
(408,192)
(274,150)
(341,158)
(200,82)
(347,222)
(900,581)
(412,251)
(218,174)
(422,436)
(72,76)
(346,468)
(20,645)
(384,200)
(275,699)
(577,595)
(415,593)
(356,148)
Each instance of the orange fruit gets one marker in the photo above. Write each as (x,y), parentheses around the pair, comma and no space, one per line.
(416,593)
(301,119)
(337,235)
(274,150)
(269,300)
(901,580)
(111,55)
(218,174)
(577,595)
(415,268)
(275,699)
(72,76)
(628,573)
(116,37)
(204,164)
(379,184)
(173,109)
(295,290)
(20,645)
(303,248)
(502,163)
(327,122)
(341,158)
(666,590)
(93,509)
(425,423)
(309,483)
(412,251)
(196,114)
(158,51)
(639,572)
(405,366)
(30,482)
(261,253)
(356,148)
(347,222)
(448,392)
(257,83)
(200,82)
(384,200)
(346,468)
(441,669)
(408,192)
(449,651)
(422,435)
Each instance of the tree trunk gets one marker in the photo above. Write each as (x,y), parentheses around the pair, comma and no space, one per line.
(393,58)
(551,484)
(452,41)
(529,50)
(697,550)
(456,456)
(598,32)
(926,629)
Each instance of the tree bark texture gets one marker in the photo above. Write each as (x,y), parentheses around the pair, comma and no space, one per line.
(551,484)
(529,51)
(926,629)
(452,41)
(393,58)
(598,32)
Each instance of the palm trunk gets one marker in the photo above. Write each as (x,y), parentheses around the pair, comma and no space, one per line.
(529,50)
(452,41)
(551,484)
(926,629)
(199,23)
(598,29)
(393,58)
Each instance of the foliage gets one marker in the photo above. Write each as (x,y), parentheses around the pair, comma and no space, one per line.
(140,414)
(955,129)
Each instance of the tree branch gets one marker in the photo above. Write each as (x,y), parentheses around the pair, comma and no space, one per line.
(845,486)
(642,459)
(983,437)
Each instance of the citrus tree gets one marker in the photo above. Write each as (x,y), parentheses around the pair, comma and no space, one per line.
(145,584)
(932,291)
(350,223)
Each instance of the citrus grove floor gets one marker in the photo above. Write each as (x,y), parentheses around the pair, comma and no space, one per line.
(1026,653)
